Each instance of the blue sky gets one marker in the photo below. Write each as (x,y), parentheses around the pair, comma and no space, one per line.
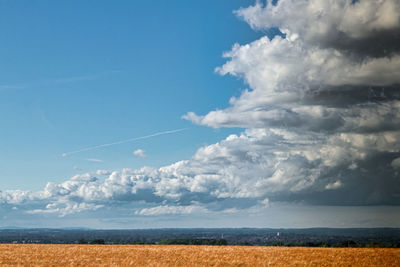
(77,74)
(137,114)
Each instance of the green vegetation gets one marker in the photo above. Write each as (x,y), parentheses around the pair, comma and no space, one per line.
(97,242)
(189,241)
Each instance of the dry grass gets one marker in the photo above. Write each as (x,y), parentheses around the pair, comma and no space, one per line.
(155,255)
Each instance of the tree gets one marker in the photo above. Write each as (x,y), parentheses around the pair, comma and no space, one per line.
(97,241)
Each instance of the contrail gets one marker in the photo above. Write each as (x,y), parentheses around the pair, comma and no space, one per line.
(122,142)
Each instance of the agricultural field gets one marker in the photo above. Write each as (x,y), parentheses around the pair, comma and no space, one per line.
(180,255)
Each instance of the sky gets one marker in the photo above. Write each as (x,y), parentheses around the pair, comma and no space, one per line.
(155,114)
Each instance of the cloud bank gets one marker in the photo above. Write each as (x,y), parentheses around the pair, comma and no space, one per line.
(321,119)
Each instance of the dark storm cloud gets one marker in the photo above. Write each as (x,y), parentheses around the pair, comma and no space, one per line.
(344,96)
(380,43)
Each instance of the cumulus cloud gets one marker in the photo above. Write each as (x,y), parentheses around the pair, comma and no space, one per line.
(321,119)
(329,89)
(360,27)
(139,153)
(259,166)
(163,210)
(308,77)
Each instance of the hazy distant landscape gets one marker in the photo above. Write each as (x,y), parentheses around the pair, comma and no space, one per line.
(313,237)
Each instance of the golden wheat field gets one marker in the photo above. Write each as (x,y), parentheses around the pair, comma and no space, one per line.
(157,255)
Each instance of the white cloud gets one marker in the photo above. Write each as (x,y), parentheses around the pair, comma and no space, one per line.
(288,90)
(66,209)
(326,22)
(94,160)
(139,153)
(103,172)
(174,210)
(334,185)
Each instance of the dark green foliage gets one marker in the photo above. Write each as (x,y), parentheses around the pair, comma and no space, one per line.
(82,241)
(188,241)
(139,242)
(97,242)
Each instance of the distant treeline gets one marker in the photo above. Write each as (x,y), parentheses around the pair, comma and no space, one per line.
(102,242)
(223,242)
(315,237)
(179,241)
(350,244)
(189,241)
